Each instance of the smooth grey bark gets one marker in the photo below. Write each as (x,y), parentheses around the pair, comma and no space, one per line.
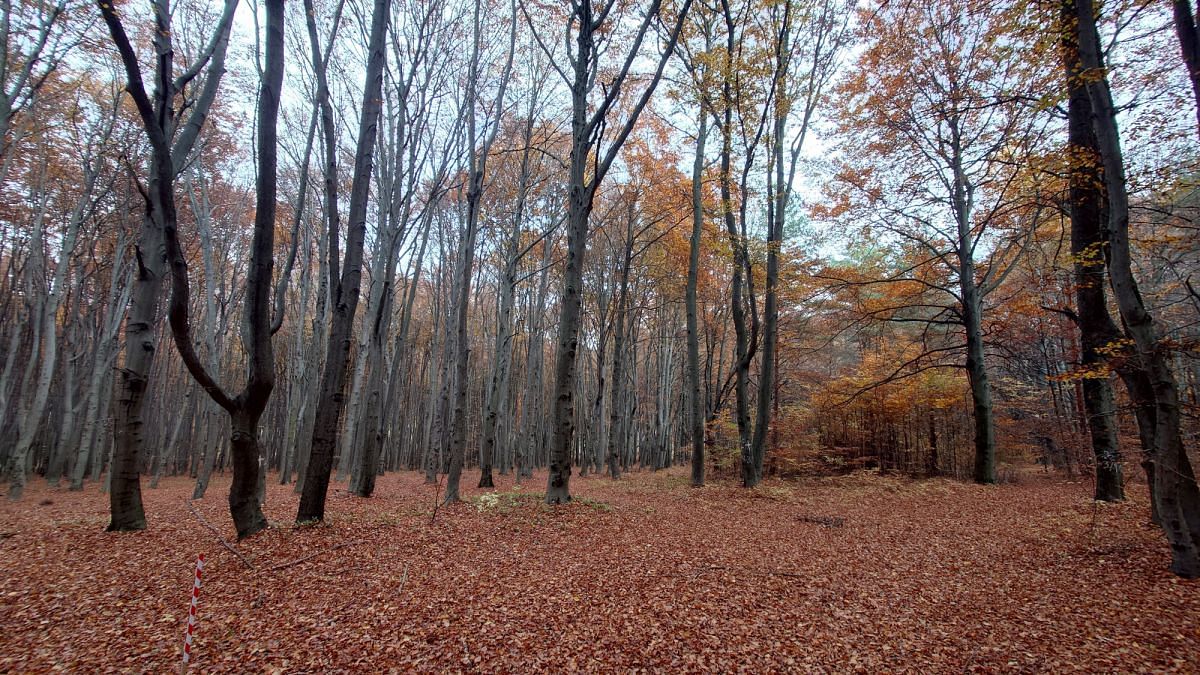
(330,405)
(346,447)
(745,334)
(31,417)
(778,193)
(210,328)
(171,144)
(316,351)
(107,347)
(327,245)
(25,64)
(588,165)
(298,392)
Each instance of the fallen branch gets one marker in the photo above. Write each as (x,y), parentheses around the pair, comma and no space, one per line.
(403,578)
(216,533)
(313,555)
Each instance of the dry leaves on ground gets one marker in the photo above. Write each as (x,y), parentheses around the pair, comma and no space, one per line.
(862,574)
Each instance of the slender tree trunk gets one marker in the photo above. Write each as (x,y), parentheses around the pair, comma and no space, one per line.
(1097,330)
(695,396)
(533,432)
(330,405)
(501,367)
(621,312)
(743,351)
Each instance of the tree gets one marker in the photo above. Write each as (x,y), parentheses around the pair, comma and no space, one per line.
(1176,492)
(1097,331)
(478,151)
(801,72)
(951,169)
(92,157)
(587,36)
(246,408)
(171,139)
(344,287)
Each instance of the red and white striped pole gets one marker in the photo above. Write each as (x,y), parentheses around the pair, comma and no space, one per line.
(191,622)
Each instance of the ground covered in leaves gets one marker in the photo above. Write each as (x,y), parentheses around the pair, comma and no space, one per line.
(861,573)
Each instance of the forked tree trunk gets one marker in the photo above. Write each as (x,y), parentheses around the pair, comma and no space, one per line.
(1177,494)
(171,144)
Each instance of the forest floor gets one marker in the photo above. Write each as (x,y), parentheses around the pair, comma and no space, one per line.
(861,573)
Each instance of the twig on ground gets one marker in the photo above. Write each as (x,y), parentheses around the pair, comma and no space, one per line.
(216,533)
(313,555)
(403,578)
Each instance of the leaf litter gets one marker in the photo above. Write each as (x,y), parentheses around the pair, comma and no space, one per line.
(865,574)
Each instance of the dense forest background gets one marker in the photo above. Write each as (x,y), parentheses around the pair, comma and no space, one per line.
(333,238)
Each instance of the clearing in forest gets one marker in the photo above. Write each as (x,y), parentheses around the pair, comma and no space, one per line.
(857,573)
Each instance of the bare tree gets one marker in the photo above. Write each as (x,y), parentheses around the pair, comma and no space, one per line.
(1175,482)
(478,151)
(246,408)
(171,140)
(345,287)
(587,36)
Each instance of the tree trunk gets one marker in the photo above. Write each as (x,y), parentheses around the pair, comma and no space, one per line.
(125,489)
(331,404)
(981,395)
(243,492)
(1189,46)
(1176,490)
(695,398)
(971,311)
(1097,331)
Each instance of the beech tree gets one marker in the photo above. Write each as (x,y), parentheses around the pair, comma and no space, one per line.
(245,408)
(172,119)
(587,36)
(946,114)
(477,150)
(1176,492)
(344,288)
(1098,332)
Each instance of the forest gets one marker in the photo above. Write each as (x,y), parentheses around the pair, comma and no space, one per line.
(683,335)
